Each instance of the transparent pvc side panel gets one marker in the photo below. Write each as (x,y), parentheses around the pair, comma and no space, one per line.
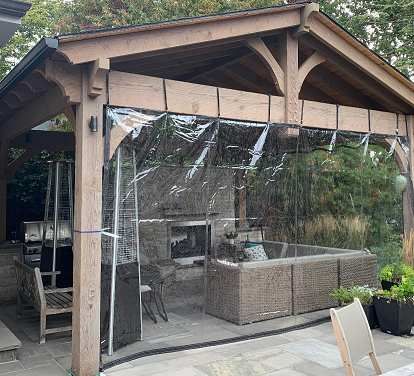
(386,183)
(221,229)
(330,206)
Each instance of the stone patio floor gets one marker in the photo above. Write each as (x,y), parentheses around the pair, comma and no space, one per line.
(310,351)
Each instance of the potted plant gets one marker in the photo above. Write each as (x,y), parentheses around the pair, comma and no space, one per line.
(365,294)
(395,308)
(392,275)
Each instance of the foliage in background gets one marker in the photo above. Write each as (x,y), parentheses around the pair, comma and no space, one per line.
(40,21)
(341,232)
(387,26)
(354,188)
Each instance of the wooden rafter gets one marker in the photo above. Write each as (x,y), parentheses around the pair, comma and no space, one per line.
(246,80)
(339,90)
(39,110)
(221,65)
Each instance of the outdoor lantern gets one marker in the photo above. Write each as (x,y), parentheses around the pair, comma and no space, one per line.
(93,124)
(400,183)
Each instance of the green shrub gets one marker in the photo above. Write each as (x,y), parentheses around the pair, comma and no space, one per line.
(347,295)
(396,273)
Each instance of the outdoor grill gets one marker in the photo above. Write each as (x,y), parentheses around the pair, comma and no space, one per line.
(32,233)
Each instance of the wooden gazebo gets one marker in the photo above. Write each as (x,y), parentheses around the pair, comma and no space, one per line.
(288,64)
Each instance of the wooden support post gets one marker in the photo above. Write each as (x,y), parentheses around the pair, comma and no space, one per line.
(408,194)
(290,65)
(87,238)
(3,188)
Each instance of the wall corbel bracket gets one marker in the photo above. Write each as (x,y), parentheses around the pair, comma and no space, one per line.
(97,77)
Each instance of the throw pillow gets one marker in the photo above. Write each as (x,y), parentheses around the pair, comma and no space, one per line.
(255,252)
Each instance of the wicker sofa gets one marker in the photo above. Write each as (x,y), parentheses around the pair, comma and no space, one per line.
(247,292)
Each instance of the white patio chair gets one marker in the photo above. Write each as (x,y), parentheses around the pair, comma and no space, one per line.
(353,336)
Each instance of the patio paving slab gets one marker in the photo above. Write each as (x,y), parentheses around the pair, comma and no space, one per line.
(10,367)
(309,352)
(323,353)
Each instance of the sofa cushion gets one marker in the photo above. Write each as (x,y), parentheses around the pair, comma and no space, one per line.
(255,252)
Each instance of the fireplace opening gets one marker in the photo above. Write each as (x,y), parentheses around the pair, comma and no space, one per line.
(188,240)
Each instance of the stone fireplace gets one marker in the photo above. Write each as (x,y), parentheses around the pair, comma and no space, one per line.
(173,223)
(188,240)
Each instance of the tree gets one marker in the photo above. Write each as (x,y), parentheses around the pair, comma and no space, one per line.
(386,26)
(39,21)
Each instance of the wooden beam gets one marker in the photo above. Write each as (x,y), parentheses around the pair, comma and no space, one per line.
(137,91)
(38,111)
(344,44)
(45,140)
(179,34)
(290,64)
(408,194)
(311,62)
(263,52)
(87,236)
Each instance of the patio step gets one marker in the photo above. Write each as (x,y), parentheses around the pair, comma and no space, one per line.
(9,344)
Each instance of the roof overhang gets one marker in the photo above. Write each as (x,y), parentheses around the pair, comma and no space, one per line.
(186,35)
(36,56)
(11,12)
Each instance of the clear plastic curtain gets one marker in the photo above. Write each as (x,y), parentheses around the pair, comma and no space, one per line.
(223,225)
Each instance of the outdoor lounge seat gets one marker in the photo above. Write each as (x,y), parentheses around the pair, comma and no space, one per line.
(46,300)
(353,336)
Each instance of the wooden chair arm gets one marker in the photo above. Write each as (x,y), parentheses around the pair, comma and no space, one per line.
(63,289)
(50,273)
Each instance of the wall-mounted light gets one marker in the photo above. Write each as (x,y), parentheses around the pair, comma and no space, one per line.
(93,124)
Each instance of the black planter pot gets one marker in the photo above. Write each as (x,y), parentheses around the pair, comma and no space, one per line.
(371,314)
(394,317)
(386,285)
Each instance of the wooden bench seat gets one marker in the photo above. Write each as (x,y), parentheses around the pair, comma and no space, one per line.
(46,300)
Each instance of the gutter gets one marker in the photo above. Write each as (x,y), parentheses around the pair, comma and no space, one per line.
(36,56)
(14,8)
